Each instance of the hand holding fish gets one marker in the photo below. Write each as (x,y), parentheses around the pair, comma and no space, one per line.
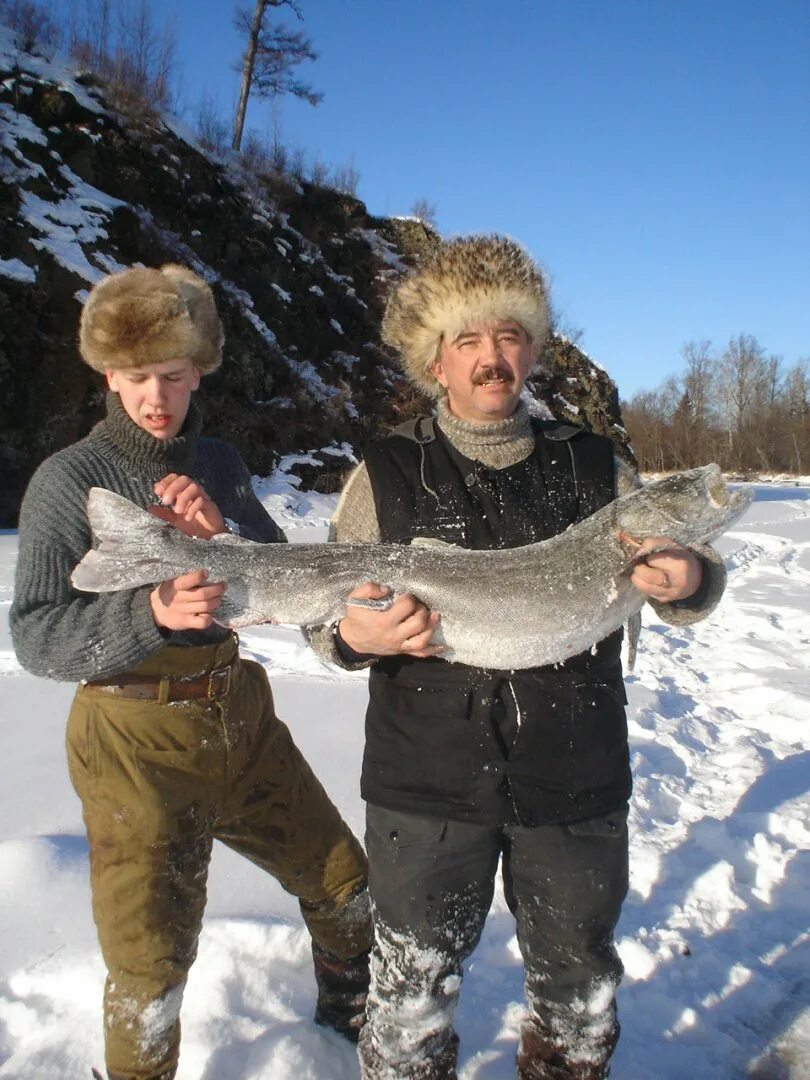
(188,507)
(668,575)
(405,627)
(186,602)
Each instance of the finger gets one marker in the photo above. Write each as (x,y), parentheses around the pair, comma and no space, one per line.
(415,625)
(406,605)
(626,538)
(163,483)
(429,650)
(420,643)
(164,513)
(190,580)
(646,577)
(186,496)
(168,488)
(656,543)
(369,590)
(194,507)
(204,592)
(173,491)
(192,606)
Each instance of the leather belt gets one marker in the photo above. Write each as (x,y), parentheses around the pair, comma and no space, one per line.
(164,689)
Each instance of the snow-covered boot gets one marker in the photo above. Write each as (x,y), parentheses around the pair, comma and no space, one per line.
(437,1066)
(342,991)
(542,1057)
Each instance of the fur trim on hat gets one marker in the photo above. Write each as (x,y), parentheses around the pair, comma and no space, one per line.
(141,316)
(475,279)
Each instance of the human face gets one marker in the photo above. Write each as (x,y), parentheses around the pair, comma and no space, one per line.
(483,370)
(156,396)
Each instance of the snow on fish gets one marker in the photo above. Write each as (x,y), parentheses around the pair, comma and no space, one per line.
(504,609)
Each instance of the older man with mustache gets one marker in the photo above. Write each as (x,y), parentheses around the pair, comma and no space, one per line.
(464,768)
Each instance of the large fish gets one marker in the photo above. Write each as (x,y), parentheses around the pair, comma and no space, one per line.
(503,609)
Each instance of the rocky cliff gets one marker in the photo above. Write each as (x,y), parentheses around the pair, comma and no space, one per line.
(300,274)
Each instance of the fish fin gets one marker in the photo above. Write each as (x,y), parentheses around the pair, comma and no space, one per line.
(229,539)
(235,610)
(123,533)
(633,634)
(431,542)
(113,518)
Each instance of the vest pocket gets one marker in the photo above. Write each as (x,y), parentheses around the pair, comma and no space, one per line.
(571,750)
(599,757)
(418,740)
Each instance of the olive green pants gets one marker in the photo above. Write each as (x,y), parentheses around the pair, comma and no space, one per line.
(158,783)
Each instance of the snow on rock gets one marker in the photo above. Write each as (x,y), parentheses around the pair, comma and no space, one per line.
(17,270)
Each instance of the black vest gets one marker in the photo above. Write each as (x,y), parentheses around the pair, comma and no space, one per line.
(535,746)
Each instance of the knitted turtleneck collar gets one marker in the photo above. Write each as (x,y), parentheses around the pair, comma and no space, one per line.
(141,448)
(496,445)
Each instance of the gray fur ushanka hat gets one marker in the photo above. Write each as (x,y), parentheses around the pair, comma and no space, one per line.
(464,281)
(143,316)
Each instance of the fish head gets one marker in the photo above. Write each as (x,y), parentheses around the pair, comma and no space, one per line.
(691,507)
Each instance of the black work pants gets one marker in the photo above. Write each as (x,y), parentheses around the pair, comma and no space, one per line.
(432,883)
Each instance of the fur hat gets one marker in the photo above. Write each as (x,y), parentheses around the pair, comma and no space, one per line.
(142,316)
(465,281)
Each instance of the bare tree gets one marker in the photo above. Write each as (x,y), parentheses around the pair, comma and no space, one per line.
(698,387)
(424,211)
(210,128)
(742,373)
(797,419)
(32,22)
(345,178)
(272,52)
(136,58)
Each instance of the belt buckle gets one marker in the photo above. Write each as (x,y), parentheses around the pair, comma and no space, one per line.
(218,673)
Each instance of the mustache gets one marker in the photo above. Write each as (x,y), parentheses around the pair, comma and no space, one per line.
(488,374)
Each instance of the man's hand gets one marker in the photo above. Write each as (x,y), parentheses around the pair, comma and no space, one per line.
(406,627)
(666,575)
(186,602)
(188,507)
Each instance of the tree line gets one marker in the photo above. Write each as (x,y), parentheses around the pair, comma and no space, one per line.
(738,406)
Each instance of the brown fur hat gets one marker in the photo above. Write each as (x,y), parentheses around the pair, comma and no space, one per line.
(464,281)
(143,316)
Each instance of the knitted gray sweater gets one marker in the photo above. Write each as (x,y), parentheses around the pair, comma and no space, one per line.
(63,634)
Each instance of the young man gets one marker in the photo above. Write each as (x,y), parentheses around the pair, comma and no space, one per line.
(465,767)
(172,739)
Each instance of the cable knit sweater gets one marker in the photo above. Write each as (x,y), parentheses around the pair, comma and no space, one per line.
(497,446)
(64,634)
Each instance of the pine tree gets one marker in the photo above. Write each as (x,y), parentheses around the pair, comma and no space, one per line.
(272,52)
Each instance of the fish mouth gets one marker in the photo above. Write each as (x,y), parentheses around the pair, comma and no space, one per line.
(716,487)
(720,498)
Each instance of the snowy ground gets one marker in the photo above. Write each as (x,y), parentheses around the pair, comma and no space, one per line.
(714,935)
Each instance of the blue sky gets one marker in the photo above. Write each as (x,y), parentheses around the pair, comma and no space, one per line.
(653,155)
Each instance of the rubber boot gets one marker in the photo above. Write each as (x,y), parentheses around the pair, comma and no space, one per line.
(342,991)
(541,1057)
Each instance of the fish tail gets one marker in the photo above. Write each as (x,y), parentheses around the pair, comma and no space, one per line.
(125,553)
